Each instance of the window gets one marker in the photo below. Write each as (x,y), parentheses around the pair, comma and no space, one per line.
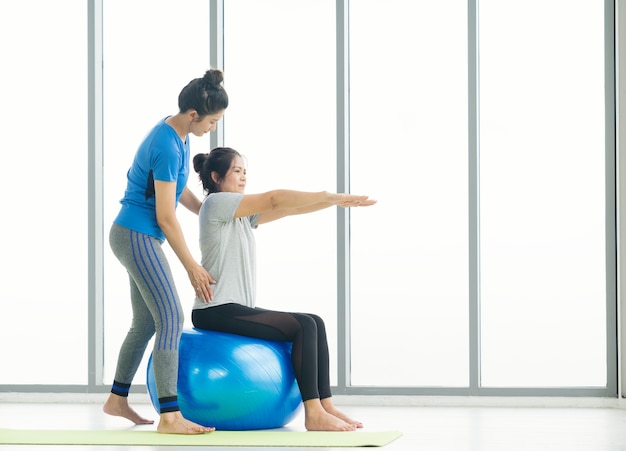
(542,185)
(44,256)
(408,150)
(487,266)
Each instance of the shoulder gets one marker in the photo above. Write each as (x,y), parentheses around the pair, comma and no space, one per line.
(160,136)
(223,198)
(220,206)
(164,145)
(164,136)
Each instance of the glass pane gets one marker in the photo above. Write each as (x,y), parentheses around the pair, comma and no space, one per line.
(280,76)
(408,149)
(152,49)
(542,193)
(44,256)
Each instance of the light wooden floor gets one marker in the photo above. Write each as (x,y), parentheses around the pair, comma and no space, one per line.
(426,428)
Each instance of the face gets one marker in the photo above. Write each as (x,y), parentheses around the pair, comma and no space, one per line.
(235,179)
(206,125)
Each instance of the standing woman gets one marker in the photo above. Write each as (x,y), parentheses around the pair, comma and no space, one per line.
(157,182)
(227,219)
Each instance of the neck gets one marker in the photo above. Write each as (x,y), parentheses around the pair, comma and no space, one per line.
(179,124)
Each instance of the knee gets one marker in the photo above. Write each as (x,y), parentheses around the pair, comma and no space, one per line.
(308,323)
(171,325)
(180,322)
(319,322)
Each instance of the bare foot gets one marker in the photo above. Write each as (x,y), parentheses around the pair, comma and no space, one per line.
(330,408)
(118,407)
(317,419)
(175,423)
(344,417)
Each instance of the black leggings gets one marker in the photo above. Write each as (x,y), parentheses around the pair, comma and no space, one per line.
(306,332)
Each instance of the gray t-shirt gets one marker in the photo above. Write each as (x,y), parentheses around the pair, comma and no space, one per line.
(228,250)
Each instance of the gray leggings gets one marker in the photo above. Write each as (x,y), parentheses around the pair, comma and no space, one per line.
(156,308)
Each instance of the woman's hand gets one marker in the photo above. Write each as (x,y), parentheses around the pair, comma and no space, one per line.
(201,281)
(351,200)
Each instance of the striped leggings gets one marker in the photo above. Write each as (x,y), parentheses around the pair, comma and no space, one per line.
(156,309)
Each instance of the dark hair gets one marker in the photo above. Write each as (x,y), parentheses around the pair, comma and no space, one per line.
(218,160)
(206,95)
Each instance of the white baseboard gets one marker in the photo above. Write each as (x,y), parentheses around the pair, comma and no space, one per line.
(355,400)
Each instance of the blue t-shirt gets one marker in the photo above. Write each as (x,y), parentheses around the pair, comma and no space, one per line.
(163,156)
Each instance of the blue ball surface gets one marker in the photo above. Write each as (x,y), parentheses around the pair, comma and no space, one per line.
(233,382)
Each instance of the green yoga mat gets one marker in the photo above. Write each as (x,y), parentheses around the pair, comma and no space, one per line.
(217,438)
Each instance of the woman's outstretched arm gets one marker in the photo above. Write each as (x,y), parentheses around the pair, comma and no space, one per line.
(277,204)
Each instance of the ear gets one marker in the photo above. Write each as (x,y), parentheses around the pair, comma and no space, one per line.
(215,177)
(193,115)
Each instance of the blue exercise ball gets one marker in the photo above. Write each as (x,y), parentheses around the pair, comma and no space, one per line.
(233,382)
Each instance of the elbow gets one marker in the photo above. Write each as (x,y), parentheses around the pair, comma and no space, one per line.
(274,201)
(165,222)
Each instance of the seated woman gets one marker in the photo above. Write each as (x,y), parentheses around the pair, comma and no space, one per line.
(227,217)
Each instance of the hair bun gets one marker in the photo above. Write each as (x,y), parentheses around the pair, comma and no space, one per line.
(198,161)
(213,78)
